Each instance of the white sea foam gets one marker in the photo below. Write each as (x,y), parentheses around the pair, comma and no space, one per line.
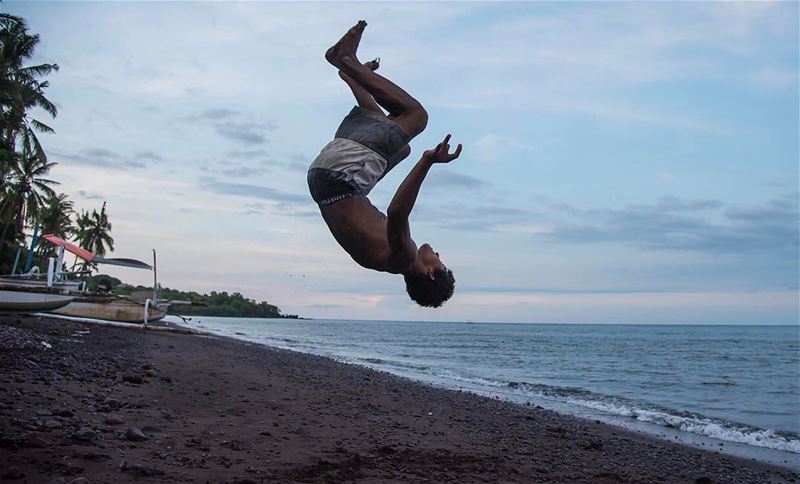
(694,423)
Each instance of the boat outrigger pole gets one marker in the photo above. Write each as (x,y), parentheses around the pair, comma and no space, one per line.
(155,279)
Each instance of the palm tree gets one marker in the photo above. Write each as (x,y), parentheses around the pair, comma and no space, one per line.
(21,90)
(55,216)
(25,193)
(23,162)
(93,232)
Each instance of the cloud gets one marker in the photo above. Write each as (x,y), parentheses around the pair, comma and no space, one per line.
(232,124)
(89,195)
(218,114)
(105,158)
(252,191)
(256,153)
(249,133)
(241,170)
(450,179)
(492,147)
(462,216)
(148,155)
(692,225)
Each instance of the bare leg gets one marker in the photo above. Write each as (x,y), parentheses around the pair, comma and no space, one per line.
(406,111)
(363,98)
(366,101)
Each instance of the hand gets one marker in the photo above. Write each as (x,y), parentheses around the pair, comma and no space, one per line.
(440,153)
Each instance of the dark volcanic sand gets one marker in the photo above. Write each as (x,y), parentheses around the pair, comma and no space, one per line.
(218,410)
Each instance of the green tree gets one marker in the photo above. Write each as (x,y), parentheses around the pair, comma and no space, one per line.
(23,162)
(55,218)
(26,190)
(21,90)
(93,232)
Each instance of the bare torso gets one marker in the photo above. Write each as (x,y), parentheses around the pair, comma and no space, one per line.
(360,228)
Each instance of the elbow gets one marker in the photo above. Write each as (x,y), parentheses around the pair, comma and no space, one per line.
(394,212)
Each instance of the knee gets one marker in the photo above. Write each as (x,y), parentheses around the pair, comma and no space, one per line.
(418,118)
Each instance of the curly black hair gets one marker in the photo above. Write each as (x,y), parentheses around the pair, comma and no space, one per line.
(429,292)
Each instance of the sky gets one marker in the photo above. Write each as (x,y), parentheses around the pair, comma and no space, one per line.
(622,163)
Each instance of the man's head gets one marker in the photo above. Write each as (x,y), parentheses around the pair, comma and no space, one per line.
(429,282)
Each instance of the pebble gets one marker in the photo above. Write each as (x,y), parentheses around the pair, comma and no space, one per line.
(85,434)
(53,424)
(36,441)
(132,378)
(139,470)
(135,435)
(114,420)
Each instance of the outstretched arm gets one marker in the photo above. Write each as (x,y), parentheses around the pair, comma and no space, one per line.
(398,230)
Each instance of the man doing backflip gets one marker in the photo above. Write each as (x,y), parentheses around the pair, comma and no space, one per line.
(366,146)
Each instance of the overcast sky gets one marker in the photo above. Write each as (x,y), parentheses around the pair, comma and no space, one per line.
(623,162)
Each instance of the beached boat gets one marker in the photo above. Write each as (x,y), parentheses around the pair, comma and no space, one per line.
(82,304)
(27,301)
(110,307)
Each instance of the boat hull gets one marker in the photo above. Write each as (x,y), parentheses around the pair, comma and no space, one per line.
(20,301)
(110,309)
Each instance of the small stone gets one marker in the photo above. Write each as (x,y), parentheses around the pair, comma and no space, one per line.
(114,420)
(35,441)
(53,424)
(85,434)
(64,413)
(133,378)
(80,480)
(111,403)
(135,435)
(44,412)
(139,470)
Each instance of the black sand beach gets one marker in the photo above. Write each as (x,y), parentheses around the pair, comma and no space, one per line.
(111,404)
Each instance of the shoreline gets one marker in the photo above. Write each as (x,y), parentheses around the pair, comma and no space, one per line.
(730,438)
(224,409)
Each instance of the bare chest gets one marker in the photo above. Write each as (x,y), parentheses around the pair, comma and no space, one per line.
(360,228)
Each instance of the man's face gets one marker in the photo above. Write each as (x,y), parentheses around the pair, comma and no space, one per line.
(429,258)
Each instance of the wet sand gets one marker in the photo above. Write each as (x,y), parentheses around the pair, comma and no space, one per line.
(113,405)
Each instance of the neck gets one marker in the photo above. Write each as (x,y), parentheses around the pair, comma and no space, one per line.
(416,269)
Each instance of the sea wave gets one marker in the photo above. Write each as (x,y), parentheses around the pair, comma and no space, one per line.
(685,421)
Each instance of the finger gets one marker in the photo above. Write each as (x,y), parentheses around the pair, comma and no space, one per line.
(446,139)
(455,154)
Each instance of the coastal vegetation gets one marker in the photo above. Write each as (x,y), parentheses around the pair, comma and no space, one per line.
(29,202)
(211,304)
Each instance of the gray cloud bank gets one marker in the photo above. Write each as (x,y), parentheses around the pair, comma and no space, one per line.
(232,124)
(696,225)
(247,190)
(105,158)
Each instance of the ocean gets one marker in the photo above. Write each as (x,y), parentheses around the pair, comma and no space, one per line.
(733,389)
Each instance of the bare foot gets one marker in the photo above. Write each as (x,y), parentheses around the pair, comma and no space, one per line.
(373,64)
(347,45)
